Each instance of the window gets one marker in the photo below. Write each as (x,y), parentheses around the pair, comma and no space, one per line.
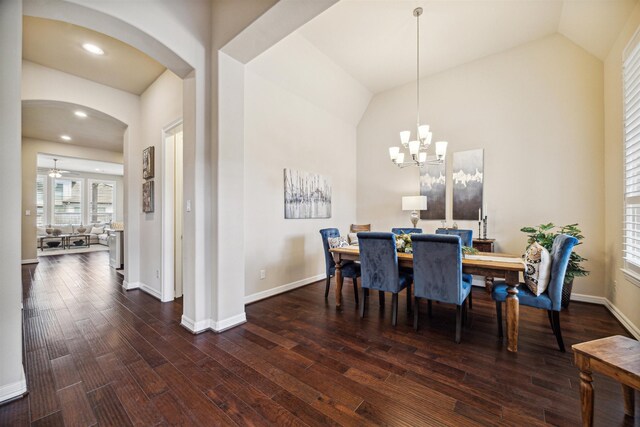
(67,201)
(631,94)
(101,201)
(41,197)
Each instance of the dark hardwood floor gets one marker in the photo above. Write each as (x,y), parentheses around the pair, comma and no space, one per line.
(96,355)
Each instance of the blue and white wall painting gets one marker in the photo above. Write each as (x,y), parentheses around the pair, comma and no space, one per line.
(306,195)
(468,180)
(433,184)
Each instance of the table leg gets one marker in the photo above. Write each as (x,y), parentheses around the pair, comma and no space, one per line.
(586,398)
(513,311)
(339,280)
(629,401)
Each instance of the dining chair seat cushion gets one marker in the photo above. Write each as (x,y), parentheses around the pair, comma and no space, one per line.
(349,269)
(525,296)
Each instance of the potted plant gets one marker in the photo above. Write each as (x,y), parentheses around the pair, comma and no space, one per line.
(545,234)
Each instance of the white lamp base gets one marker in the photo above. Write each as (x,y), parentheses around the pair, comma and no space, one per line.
(415,216)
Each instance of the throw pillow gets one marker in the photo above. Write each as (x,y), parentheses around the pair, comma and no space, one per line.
(338,242)
(97,230)
(353,239)
(537,268)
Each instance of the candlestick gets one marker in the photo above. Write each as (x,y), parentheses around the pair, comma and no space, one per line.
(484,231)
(479,229)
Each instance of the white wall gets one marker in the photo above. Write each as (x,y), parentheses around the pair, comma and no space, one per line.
(623,294)
(536,110)
(12,379)
(301,112)
(30,150)
(160,105)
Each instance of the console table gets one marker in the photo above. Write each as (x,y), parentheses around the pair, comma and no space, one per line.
(617,357)
(484,245)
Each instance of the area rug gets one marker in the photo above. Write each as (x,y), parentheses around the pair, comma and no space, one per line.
(94,248)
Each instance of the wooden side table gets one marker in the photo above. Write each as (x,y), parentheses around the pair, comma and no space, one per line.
(484,245)
(617,357)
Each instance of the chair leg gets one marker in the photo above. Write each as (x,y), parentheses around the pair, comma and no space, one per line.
(409,298)
(499,317)
(355,289)
(381,298)
(464,312)
(471,298)
(394,309)
(327,286)
(558,332)
(416,312)
(553,328)
(429,307)
(458,323)
(365,300)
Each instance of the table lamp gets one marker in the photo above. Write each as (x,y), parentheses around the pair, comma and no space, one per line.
(414,204)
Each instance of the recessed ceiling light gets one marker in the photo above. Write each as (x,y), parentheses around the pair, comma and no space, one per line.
(65,137)
(80,114)
(98,170)
(92,48)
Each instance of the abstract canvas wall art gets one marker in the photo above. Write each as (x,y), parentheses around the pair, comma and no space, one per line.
(148,162)
(306,195)
(433,184)
(468,181)
(147,197)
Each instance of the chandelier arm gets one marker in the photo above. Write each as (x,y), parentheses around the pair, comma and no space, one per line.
(418,72)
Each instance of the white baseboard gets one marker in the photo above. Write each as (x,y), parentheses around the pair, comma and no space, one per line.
(633,329)
(16,389)
(127,286)
(228,323)
(195,327)
(30,261)
(148,289)
(280,289)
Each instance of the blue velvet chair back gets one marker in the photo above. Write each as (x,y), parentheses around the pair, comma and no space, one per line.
(409,230)
(465,235)
(379,261)
(560,253)
(330,264)
(437,268)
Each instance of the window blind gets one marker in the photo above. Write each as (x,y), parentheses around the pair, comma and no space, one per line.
(631,92)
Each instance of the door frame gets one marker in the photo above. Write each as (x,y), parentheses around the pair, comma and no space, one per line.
(167,292)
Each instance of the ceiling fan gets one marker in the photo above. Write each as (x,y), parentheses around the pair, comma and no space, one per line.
(55,172)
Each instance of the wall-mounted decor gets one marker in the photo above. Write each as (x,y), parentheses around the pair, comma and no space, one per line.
(468,179)
(306,195)
(433,185)
(148,162)
(147,197)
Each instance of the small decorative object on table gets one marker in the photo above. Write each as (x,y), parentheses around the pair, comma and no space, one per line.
(49,229)
(82,229)
(56,232)
(545,234)
(403,243)
(468,250)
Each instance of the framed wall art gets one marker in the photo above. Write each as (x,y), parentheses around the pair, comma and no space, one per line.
(468,182)
(148,162)
(147,197)
(306,195)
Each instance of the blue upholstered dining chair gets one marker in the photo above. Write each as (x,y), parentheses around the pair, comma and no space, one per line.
(407,230)
(349,268)
(551,298)
(379,266)
(437,274)
(467,240)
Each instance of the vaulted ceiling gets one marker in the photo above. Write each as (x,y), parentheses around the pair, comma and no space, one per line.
(375,40)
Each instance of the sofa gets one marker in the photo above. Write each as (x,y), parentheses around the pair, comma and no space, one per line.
(98,235)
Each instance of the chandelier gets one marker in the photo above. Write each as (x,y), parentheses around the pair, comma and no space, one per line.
(55,172)
(417,147)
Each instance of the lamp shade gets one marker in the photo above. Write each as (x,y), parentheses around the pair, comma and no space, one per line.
(414,203)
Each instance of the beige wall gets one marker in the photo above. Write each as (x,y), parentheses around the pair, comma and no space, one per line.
(30,150)
(536,110)
(624,295)
(160,106)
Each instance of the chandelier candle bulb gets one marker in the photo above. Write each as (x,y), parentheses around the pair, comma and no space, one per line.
(414,147)
(423,131)
(393,152)
(400,158)
(441,149)
(405,136)
(422,157)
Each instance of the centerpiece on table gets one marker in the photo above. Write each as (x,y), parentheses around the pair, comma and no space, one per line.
(403,244)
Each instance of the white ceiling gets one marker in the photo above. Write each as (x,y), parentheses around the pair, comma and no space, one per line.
(72,164)
(58,45)
(375,40)
(47,120)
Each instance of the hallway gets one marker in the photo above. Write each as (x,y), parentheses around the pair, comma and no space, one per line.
(96,355)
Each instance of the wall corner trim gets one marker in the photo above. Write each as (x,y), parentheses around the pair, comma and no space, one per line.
(229,322)
(13,390)
(127,286)
(281,289)
(195,327)
(633,329)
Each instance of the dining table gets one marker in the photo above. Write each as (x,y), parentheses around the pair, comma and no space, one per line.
(493,265)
